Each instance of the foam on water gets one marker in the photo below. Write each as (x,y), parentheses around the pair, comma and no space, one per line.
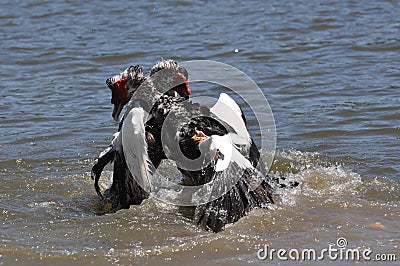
(326,180)
(317,211)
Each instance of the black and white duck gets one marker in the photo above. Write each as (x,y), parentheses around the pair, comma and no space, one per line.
(231,161)
(137,139)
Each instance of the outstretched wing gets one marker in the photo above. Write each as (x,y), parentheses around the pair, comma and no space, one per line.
(228,111)
(134,147)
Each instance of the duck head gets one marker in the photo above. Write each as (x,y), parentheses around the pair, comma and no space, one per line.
(166,72)
(173,76)
(123,86)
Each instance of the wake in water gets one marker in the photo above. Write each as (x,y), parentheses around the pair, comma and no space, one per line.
(318,175)
(322,176)
(331,200)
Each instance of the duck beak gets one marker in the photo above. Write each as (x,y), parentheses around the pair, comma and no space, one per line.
(199,136)
(117,110)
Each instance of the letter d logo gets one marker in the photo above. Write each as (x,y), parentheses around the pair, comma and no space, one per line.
(262,253)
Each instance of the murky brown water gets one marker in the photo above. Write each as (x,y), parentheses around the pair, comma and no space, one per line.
(329,70)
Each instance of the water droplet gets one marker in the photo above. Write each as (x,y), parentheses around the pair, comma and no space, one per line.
(111,251)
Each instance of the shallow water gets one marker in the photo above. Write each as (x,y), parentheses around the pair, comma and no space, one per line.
(331,75)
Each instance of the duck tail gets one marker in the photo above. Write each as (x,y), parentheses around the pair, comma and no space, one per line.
(248,193)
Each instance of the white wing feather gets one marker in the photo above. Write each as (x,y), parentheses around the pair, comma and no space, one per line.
(135,147)
(230,154)
(228,111)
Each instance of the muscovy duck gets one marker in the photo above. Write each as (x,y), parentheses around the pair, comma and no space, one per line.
(229,161)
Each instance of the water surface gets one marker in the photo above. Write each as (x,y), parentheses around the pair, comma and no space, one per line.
(328,68)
